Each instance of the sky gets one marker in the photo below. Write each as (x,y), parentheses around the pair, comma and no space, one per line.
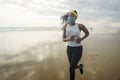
(47,13)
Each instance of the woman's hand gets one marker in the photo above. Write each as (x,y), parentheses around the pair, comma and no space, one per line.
(71,38)
(79,40)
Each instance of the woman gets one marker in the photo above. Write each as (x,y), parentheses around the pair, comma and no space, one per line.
(71,34)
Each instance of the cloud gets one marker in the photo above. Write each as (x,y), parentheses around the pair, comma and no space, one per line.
(55,7)
(97,12)
(44,7)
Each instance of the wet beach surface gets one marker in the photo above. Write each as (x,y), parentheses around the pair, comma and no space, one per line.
(48,61)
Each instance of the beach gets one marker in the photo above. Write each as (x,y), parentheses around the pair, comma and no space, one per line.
(41,55)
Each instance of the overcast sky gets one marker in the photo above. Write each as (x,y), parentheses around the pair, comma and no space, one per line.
(46,13)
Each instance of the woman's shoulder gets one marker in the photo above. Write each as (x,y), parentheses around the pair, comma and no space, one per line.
(80,25)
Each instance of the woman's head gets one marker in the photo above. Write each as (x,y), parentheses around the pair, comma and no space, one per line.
(69,17)
(73,13)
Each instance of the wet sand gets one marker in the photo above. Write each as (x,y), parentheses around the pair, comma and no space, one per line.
(49,61)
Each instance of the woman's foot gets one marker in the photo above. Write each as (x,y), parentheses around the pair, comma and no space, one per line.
(81,68)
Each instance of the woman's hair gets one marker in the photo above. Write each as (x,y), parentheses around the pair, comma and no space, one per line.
(64,17)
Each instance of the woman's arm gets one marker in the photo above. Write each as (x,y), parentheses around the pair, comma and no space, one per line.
(64,34)
(84,29)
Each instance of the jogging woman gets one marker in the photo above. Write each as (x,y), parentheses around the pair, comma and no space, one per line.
(71,34)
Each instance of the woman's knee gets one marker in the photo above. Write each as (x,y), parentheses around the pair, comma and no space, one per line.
(72,68)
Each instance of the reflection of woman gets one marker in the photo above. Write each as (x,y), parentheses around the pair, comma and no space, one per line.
(71,34)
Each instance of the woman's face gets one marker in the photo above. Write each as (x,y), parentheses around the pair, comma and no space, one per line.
(71,18)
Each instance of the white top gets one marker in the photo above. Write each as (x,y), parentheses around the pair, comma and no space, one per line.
(70,31)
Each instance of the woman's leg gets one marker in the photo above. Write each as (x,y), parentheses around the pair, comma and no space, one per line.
(69,53)
(76,56)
